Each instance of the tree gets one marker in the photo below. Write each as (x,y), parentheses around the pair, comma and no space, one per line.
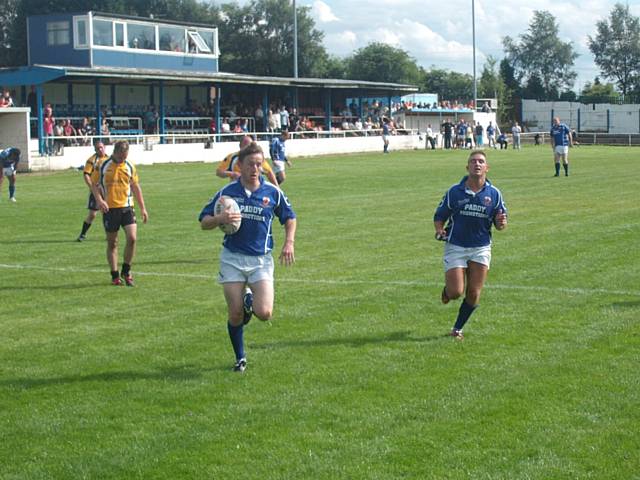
(448,85)
(379,62)
(8,16)
(492,85)
(616,47)
(597,92)
(540,56)
(258,39)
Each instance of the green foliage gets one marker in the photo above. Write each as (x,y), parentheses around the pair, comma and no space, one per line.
(597,92)
(257,39)
(616,47)
(379,62)
(448,85)
(540,59)
(354,377)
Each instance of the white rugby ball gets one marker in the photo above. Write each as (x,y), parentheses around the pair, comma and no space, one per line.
(227,203)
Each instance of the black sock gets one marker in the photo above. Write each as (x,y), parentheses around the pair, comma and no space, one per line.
(114,274)
(463,314)
(125,269)
(566,168)
(85,228)
(557,169)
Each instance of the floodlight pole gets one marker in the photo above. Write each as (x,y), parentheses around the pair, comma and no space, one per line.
(295,40)
(473,30)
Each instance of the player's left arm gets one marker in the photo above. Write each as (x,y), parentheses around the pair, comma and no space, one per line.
(500,218)
(137,192)
(287,256)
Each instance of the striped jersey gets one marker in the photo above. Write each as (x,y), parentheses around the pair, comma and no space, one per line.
(115,181)
(93,162)
(231,164)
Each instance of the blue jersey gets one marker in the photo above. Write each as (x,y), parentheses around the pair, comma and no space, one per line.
(560,134)
(277,150)
(7,160)
(258,211)
(491,130)
(385,129)
(470,215)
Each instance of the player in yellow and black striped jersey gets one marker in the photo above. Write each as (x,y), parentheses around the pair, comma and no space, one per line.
(92,163)
(229,167)
(114,185)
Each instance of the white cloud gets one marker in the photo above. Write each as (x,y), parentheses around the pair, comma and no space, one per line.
(323,12)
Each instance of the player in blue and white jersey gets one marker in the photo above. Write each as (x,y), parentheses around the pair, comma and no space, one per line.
(278,155)
(560,142)
(9,158)
(246,255)
(468,209)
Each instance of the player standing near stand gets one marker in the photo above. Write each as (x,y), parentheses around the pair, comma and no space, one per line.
(246,255)
(278,156)
(93,163)
(470,208)
(10,158)
(560,142)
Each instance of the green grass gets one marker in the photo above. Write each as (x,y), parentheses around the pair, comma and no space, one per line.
(354,378)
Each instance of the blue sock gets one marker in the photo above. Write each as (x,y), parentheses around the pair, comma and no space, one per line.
(463,314)
(237,339)
(12,191)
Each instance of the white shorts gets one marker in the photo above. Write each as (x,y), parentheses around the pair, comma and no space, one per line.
(561,150)
(278,166)
(237,267)
(8,171)
(457,257)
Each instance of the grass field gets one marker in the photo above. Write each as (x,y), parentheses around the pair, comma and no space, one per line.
(354,378)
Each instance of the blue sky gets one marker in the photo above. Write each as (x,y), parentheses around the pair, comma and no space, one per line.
(439,32)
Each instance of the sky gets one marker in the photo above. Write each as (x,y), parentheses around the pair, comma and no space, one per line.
(439,33)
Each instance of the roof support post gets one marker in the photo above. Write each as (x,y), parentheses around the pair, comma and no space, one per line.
(41,142)
(98,109)
(265,110)
(327,109)
(217,110)
(161,99)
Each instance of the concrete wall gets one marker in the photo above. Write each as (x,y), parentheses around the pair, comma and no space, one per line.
(15,132)
(196,152)
(596,117)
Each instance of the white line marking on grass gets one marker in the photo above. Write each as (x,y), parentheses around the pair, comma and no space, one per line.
(311,281)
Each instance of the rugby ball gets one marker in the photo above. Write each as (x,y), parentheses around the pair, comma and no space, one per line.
(227,203)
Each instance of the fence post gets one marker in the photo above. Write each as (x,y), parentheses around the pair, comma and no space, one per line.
(608,121)
(578,120)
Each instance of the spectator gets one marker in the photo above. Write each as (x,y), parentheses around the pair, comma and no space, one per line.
(502,140)
(48,124)
(431,139)
(6,100)
(69,131)
(225,127)
(150,120)
(479,131)
(486,108)
(284,118)
(32,101)
(58,143)
(104,129)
